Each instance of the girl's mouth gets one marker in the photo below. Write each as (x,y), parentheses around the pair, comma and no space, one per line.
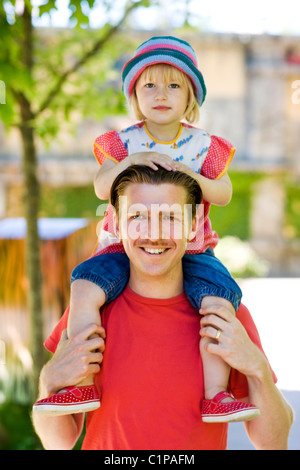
(162,108)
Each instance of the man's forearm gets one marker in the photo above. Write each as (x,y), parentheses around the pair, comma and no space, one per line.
(56,432)
(271,429)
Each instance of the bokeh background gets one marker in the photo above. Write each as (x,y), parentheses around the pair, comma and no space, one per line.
(60,68)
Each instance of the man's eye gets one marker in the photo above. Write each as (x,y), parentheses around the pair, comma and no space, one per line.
(172,217)
(169,217)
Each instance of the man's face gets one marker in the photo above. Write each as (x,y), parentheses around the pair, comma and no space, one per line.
(155,226)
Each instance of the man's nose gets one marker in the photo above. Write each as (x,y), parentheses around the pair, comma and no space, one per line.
(152,230)
(155,228)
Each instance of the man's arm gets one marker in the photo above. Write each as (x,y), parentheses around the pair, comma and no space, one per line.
(73,360)
(55,432)
(271,429)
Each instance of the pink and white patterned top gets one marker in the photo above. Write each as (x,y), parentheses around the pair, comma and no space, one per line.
(205,154)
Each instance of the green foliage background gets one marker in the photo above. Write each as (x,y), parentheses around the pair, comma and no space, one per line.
(234,219)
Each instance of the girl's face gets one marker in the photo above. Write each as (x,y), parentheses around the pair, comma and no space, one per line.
(162,97)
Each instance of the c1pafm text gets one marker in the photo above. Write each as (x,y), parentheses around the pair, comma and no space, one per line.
(137,458)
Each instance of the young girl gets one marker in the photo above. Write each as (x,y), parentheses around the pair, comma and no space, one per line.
(164,86)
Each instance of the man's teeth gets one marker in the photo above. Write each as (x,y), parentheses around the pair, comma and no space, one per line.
(155,251)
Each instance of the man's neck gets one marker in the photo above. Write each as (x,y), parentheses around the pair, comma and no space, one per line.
(156,287)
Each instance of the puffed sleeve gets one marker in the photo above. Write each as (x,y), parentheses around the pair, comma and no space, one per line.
(109,145)
(218,158)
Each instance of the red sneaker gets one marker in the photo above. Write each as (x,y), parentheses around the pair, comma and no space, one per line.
(69,400)
(214,411)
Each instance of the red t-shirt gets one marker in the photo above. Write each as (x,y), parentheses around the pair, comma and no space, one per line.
(151,380)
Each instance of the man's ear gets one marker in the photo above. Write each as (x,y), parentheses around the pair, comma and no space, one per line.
(116,225)
(193,229)
(197,222)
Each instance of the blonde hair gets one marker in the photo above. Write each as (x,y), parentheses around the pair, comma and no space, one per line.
(170,74)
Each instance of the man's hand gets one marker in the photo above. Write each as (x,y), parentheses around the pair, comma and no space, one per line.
(234,345)
(74,359)
(270,430)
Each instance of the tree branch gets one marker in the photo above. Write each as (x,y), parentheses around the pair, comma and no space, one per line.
(84,59)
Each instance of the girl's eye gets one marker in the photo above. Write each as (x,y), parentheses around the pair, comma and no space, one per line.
(174,85)
(149,85)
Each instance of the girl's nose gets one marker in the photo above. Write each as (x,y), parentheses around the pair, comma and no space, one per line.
(160,92)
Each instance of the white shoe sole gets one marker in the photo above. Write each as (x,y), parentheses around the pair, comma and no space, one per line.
(56,410)
(245,415)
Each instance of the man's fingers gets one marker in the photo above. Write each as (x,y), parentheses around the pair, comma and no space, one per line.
(213,320)
(211,332)
(91,329)
(95,357)
(96,344)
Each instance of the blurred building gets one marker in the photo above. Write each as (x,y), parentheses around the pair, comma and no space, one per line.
(253,100)
(64,244)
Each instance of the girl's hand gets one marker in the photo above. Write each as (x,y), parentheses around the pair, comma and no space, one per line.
(152,159)
(185,169)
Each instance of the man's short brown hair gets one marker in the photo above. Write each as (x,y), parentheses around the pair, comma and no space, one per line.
(143,174)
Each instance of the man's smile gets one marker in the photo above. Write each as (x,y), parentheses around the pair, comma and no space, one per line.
(154,248)
(154,251)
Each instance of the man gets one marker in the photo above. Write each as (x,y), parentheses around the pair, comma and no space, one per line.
(151,380)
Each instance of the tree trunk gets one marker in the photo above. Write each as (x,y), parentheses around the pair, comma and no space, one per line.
(31,209)
(31,183)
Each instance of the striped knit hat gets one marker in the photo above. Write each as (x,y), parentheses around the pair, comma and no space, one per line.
(166,50)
